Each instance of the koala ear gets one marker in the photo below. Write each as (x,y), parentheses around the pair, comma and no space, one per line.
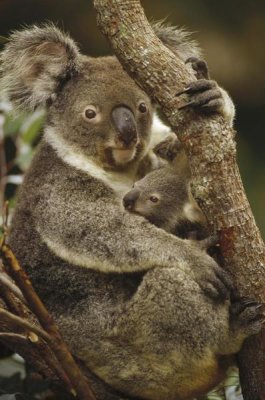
(177,40)
(35,64)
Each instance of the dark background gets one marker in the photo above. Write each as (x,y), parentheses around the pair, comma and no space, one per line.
(232,34)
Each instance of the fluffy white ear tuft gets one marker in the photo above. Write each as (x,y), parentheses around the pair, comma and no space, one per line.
(35,63)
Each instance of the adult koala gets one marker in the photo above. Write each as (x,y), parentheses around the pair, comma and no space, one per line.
(145,311)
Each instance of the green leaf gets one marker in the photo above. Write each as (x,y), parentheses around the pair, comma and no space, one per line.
(12,124)
(32,126)
(23,159)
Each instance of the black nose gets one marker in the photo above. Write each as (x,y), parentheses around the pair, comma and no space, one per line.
(125,124)
(129,199)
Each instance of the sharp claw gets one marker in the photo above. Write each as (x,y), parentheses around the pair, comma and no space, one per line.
(259,306)
(249,302)
(186,90)
(191,103)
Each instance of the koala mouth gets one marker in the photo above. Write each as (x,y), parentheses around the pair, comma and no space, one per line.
(117,156)
(123,156)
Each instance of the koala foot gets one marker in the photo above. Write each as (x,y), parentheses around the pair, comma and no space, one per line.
(247,317)
(203,94)
(168,148)
(219,286)
(200,67)
(209,242)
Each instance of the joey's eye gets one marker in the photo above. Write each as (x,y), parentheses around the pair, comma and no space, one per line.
(90,114)
(154,199)
(142,107)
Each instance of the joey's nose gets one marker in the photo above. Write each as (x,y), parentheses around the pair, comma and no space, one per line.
(125,124)
(129,199)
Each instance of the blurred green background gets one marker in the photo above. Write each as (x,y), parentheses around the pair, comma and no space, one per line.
(232,34)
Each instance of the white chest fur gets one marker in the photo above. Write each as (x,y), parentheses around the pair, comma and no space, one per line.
(120,182)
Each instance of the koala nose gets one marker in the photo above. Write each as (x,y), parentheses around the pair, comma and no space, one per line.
(129,199)
(124,121)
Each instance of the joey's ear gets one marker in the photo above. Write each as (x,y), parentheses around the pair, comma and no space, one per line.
(35,63)
(177,40)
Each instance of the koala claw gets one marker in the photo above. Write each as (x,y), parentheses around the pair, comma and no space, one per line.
(218,288)
(247,316)
(210,241)
(204,95)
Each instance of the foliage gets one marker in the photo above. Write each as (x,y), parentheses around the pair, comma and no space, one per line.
(19,137)
(228,390)
(19,389)
(31,388)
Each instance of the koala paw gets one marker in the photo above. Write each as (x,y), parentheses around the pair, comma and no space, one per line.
(200,67)
(217,285)
(204,94)
(168,148)
(247,317)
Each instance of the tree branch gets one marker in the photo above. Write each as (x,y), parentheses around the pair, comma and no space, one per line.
(29,329)
(210,146)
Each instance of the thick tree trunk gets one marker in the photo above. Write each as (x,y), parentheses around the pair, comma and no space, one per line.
(210,146)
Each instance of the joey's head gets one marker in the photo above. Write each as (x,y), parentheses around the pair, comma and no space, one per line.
(164,198)
(161,197)
(94,109)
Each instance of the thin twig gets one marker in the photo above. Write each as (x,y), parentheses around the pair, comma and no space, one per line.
(12,302)
(68,370)
(43,351)
(11,335)
(6,281)
(57,344)
(23,282)
(18,323)
(5,214)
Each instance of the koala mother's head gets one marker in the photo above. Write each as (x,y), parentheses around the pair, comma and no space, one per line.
(93,106)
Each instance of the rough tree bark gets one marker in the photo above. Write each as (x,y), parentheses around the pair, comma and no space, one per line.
(211,149)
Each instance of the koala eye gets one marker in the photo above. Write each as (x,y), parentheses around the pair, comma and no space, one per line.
(142,107)
(90,113)
(154,199)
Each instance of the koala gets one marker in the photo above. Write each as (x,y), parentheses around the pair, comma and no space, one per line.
(147,314)
(164,198)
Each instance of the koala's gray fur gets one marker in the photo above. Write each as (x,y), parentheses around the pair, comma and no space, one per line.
(178,40)
(144,310)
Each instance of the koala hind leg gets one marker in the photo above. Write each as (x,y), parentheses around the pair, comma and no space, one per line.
(101,389)
(246,319)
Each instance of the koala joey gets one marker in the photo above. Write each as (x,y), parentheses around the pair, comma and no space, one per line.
(146,312)
(164,198)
